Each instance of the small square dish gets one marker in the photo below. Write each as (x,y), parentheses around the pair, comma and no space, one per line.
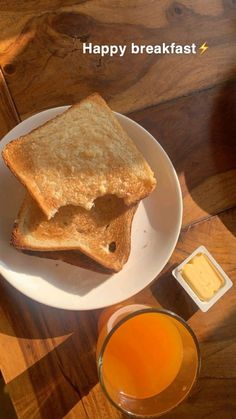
(202,278)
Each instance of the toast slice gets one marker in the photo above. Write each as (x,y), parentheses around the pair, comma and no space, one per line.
(103,233)
(78,156)
(73,257)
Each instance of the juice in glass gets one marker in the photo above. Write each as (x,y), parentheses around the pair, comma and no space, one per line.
(148,359)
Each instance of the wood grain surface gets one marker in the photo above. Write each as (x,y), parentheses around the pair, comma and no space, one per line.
(8,114)
(47,356)
(51,365)
(39,41)
(198,132)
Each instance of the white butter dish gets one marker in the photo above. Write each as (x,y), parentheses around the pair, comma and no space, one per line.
(203,305)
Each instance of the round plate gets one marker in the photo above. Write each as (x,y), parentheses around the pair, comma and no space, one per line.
(155,231)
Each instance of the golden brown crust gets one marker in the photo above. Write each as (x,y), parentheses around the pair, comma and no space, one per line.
(103,233)
(78,156)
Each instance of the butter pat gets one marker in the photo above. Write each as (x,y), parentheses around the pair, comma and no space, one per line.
(202,277)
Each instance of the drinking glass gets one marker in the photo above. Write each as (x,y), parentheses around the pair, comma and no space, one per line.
(120,345)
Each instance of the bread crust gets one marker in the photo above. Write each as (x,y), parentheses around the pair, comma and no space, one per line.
(74,228)
(84,145)
(73,257)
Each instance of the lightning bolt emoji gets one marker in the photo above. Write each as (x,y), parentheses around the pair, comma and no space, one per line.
(203,48)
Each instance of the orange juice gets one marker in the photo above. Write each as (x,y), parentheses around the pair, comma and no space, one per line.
(143,356)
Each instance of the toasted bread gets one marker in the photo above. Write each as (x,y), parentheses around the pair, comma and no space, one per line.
(103,233)
(73,257)
(78,156)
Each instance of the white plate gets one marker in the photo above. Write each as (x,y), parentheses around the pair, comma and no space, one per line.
(155,232)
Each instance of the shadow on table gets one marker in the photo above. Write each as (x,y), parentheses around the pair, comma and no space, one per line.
(223,331)
(59,380)
(67,372)
(219,161)
(198,132)
(6,407)
(28,319)
(171,296)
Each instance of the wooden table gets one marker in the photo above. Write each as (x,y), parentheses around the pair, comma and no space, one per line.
(47,356)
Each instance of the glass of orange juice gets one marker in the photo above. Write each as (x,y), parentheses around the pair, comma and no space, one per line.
(148,359)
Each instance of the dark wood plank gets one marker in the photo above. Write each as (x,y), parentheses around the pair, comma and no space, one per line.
(38,42)
(29,391)
(58,347)
(198,132)
(7,409)
(37,365)
(50,364)
(205,405)
(213,396)
(8,114)
(47,356)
